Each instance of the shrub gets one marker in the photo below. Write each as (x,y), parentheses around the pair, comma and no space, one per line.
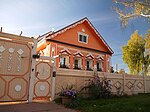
(74,103)
(58,100)
(99,88)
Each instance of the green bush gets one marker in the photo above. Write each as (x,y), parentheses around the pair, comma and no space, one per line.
(58,100)
(99,88)
(74,103)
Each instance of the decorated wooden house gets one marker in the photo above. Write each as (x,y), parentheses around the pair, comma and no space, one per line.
(77,46)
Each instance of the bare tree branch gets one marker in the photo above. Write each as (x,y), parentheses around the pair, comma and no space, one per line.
(133,9)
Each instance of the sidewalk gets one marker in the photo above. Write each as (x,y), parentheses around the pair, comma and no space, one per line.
(34,107)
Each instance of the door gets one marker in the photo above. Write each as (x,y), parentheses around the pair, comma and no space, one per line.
(42,81)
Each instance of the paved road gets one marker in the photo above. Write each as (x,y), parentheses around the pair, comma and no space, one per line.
(34,107)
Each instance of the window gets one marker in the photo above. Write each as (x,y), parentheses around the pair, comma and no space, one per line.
(87,64)
(99,66)
(83,37)
(76,63)
(62,61)
(80,38)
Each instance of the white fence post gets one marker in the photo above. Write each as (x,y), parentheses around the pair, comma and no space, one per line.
(32,75)
(144,81)
(124,80)
(53,81)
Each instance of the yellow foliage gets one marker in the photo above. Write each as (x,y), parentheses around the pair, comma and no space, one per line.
(147,39)
(121,71)
(133,53)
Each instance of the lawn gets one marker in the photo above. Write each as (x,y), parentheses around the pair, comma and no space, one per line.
(138,103)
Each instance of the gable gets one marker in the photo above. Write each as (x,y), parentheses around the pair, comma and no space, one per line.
(78,54)
(71,34)
(65,51)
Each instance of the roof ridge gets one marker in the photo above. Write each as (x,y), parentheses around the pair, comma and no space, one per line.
(68,26)
(42,36)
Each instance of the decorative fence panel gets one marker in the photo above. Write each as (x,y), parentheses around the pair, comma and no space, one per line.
(124,83)
(15,68)
(42,81)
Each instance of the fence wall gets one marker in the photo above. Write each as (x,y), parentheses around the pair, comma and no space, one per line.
(124,82)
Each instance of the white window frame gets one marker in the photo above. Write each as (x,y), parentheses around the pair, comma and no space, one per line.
(61,60)
(100,65)
(90,63)
(66,60)
(79,62)
(80,33)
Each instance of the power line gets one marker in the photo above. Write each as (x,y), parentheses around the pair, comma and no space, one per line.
(116,54)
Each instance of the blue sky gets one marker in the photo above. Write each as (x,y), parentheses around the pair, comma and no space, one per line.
(36,17)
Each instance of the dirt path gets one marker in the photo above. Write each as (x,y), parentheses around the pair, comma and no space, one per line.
(34,107)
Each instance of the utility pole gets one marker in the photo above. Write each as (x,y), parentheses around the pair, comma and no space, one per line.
(116,67)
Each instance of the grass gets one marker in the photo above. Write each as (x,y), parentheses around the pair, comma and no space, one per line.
(138,103)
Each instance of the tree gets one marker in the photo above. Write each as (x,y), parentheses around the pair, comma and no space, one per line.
(133,53)
(146,61)
(129,9)
(147,39)
(121,71)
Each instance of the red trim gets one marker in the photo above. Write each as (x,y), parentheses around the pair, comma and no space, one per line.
(45,88)
(64,50)
(89,56)
(78,55)
(26,93)
(100,59)
(4,87)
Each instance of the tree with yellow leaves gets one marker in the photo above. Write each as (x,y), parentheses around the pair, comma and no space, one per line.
(133,53)
(121,71)
(129,9)
(146,61)
(147,39)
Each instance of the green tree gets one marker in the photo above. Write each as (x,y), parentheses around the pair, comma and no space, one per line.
(133,53)
(129,9)
(146,61)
